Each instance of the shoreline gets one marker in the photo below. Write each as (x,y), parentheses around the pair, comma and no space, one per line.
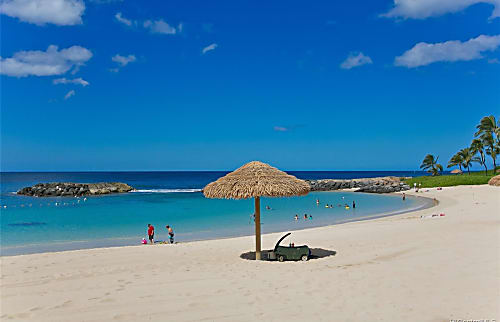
(68,246)
(396,268)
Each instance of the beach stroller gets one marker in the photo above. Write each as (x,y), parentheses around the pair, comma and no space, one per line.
(282,253)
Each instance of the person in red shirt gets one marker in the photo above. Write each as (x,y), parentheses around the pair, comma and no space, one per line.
(151,233)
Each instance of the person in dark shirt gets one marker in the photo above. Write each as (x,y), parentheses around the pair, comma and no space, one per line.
(170,233)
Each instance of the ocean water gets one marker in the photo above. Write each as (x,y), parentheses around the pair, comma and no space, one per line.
(30,225)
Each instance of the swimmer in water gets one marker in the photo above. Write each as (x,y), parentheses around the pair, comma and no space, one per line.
(305,216)
(317,201)
(296,217)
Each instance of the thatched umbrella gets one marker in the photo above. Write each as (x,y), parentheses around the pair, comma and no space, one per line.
(456,171)
(254,180)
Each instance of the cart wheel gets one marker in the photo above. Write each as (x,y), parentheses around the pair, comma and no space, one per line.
(281,258)
(304,258)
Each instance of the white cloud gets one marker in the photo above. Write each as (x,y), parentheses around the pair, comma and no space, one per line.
(354,60)
(209,48)
(44,63)
(105,1)
(78,81)
(280,129)
(162,27)
(421,9)
(123,60)
(69,94)
(40,12)
(124,20)
(450,51)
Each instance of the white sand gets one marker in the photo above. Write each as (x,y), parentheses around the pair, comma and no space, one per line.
(399,268)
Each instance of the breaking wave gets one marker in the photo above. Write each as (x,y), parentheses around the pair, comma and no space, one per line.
(166,190)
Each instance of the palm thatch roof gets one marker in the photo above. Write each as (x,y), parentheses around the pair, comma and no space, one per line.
(495,181)
(456,171)
(256,179)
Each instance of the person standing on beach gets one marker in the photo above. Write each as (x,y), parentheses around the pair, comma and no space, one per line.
(170,233)
(151,233)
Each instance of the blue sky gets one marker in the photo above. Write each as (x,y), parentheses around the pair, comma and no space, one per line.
(198,85)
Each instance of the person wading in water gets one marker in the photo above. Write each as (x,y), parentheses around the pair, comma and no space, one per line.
(170,233)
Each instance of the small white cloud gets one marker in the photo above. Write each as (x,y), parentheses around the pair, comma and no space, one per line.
(280,129)
(123,20)
(105,1)
(40,12)
(450,51)
(123,60)
(78,81)
(44,63)
(161,27)
(114,70)
(493,61)
(421,9)
(354,60)
(209,48)
(69,94)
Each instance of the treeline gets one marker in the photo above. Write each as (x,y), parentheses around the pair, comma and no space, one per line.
(486,142)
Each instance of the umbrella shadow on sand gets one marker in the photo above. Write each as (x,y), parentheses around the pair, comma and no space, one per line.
(316,253)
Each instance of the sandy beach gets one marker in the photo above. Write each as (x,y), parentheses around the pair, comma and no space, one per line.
(398,268)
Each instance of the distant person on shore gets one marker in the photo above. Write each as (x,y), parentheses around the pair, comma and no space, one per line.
(353,204)
(404,196)
(170,233)
(151,233)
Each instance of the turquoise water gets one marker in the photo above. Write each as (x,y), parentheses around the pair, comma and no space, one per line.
(30,225)
(122,219)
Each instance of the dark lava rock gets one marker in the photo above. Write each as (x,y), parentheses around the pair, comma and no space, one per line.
(67,189)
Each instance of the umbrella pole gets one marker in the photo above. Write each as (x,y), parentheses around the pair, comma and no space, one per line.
(257,228)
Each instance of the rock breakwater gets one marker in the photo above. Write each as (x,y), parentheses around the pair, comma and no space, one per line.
(372,185)
(69,189)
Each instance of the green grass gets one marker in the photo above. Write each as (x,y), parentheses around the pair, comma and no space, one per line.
(475,178)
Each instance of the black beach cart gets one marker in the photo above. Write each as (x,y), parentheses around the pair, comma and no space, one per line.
(283,253)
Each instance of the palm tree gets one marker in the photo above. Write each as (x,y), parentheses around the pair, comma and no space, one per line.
(488,124)
(477,146)
(487,130)
(456,160)
(430,164)
(467,156)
